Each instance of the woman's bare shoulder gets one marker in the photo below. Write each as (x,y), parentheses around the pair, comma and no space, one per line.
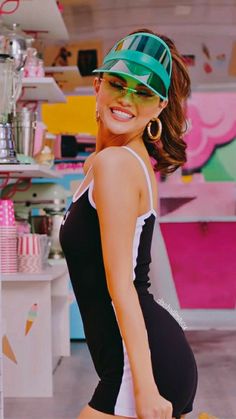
(113,156)
(88,162)
(107,156)
(115,182)
(101,156)
(115,162)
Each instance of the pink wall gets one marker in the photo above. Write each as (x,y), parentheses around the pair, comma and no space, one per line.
(203,262)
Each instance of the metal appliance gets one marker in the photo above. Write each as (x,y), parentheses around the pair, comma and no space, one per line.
(43,205)
(24,126)
(14,43)
(7,75)
(13,46)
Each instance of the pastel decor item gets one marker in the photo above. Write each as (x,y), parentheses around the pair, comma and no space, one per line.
(8,237)
(29,253)
(207,68)
(32,314)
(206,51)
(7,217)
(38,138)
(8,250)
(7,350)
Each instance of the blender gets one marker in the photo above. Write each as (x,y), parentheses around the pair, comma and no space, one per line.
(13,48)
(9,88)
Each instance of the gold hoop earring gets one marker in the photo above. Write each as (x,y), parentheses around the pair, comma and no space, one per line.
(157,136)
(97,116)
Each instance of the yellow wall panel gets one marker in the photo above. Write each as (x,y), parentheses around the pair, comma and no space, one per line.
(75,116)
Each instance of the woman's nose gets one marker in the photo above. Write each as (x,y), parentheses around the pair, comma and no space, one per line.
(126,98)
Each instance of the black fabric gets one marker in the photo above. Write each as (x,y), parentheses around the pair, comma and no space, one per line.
(174,365)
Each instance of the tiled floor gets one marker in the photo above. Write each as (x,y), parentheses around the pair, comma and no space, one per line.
(75,379)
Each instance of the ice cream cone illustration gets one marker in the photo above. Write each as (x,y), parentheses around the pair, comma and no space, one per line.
(32,314)
(7,350)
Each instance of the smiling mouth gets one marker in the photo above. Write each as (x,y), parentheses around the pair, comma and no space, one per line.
(122,115)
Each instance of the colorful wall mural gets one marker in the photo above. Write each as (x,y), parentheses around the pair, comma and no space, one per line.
(221,166)
(211,127)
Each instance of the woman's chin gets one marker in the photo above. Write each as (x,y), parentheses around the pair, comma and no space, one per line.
(117,128)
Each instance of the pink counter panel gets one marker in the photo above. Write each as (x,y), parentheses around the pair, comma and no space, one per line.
(203,261)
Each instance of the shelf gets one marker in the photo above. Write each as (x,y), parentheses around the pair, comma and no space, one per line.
(39,16)
(42,89)
(80,159)
(28,170)
(64,172)
(49,274)
(60,69)
(26,276)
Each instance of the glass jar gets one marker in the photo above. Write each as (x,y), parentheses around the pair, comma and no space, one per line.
(46,155)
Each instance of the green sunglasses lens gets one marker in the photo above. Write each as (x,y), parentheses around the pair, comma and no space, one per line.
(117,87)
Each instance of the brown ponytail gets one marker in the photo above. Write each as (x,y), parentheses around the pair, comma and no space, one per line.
(170,153)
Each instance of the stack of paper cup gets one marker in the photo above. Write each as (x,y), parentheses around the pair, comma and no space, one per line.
(29,253)
(8,237)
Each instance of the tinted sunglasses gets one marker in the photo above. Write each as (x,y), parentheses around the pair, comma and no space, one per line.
(118,87)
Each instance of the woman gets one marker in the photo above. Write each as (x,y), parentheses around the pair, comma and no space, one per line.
(146,367)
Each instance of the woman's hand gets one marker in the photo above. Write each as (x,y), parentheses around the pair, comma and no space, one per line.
(151,405)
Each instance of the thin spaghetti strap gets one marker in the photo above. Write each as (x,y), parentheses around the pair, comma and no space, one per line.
(78,193)
(146,173)
(90,167)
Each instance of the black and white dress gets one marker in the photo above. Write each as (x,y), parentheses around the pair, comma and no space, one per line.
(173,362)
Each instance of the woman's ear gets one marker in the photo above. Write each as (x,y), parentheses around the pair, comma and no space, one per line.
(163,104)
(96,85)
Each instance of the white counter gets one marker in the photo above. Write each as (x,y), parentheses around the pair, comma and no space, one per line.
(36,353)
(49,274)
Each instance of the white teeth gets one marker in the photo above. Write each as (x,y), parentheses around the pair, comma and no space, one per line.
(122,114)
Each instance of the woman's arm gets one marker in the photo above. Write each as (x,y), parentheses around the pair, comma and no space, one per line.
(116,193)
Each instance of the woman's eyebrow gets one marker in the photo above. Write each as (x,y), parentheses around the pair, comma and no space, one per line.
(123,79)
